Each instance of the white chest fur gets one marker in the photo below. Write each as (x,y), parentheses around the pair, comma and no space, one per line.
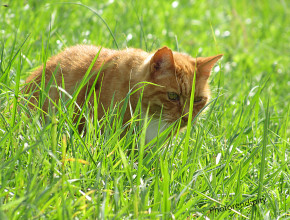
(154,128)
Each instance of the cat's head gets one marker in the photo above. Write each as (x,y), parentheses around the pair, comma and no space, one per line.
(174,73)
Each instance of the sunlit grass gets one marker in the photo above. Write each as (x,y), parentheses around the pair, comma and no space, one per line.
(237,152)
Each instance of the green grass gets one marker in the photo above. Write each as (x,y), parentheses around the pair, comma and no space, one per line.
(237,152)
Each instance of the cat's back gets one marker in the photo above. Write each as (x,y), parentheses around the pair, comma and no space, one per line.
(72,62)
(81,56)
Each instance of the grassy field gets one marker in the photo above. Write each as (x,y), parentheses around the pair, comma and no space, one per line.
(233,164)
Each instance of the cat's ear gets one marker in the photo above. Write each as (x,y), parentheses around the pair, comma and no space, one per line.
(161,62)
(205,64)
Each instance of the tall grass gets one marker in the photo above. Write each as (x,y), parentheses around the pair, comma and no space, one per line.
(236,153)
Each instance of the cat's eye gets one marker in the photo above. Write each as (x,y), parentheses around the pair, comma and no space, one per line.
(173,96)
(198,99)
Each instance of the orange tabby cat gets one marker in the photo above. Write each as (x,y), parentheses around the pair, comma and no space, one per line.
(122,69)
